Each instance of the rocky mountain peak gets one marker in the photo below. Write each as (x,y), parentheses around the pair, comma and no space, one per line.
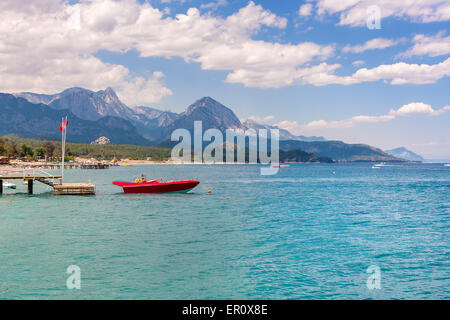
(209,110)
(111,93)
(74,90)
(207,103)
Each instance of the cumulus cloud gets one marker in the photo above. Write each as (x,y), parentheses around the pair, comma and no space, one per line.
(29,7)
(411,109)
(262,120)
(358,63)
(396,74)
(66,38)
(291,126)
(50,45)
(214,5)
(402,73)
(305,10)
(325,74)
(142,91)
(377,43)
(433,46)
(418,108)
(354,12)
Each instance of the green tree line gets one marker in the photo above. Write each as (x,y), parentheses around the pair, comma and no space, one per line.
(18,147)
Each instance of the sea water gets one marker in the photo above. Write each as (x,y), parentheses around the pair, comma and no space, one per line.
(309,232)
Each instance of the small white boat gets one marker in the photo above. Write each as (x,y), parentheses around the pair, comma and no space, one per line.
(447,165)
(382,164)
(8,185)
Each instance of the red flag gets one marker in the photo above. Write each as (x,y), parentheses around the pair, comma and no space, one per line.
(64,124)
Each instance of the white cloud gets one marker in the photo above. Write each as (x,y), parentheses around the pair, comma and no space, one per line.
(402,73)
(377,43)
(291,126)
(169,1)
(29,7)
(358,63)
(261,120)
(142,91)
(354,12)
(414,108)
(411,109)
(396,74)
(213,5)
(48,46)
(305,10)
(322,124)
(433,46)
(72,34)
(324,74)
(430,143)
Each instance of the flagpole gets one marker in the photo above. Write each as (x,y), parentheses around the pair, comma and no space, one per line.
(62,150)
(65,138)
(63,145)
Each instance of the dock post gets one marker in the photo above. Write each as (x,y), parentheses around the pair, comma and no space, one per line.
(30,186)
(1,186)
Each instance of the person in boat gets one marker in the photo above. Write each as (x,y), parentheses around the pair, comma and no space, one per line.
(141,180)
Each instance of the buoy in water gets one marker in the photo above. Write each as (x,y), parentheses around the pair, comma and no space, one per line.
(209,191)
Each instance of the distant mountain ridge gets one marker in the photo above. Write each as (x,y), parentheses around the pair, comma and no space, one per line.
(85,104)
(21,117)
(150,126)
(155,125)
(339,151)
(404,153)
(284,134)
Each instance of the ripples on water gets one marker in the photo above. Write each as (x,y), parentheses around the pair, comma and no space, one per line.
(310,231)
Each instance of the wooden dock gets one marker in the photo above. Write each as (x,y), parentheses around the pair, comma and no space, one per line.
(56,166)
(59,188)
(74,189)
(97,166)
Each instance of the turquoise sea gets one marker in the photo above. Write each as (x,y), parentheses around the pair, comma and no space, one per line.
(309,232)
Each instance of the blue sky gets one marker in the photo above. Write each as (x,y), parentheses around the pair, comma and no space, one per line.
(313,67)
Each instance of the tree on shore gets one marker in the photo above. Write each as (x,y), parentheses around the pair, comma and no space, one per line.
(11,150)
(26,151)
(39,153)
(49,149)
(2,147)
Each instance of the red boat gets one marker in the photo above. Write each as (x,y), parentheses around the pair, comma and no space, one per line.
(155,186)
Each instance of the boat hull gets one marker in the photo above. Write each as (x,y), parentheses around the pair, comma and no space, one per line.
(8,185)
(157,187)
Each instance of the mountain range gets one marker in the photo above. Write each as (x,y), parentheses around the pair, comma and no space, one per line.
(339,151)
(19,116)
(284,134)
(404,153)
(94,114)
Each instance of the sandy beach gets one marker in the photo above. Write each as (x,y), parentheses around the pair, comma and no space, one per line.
(8,169)
(16,166)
